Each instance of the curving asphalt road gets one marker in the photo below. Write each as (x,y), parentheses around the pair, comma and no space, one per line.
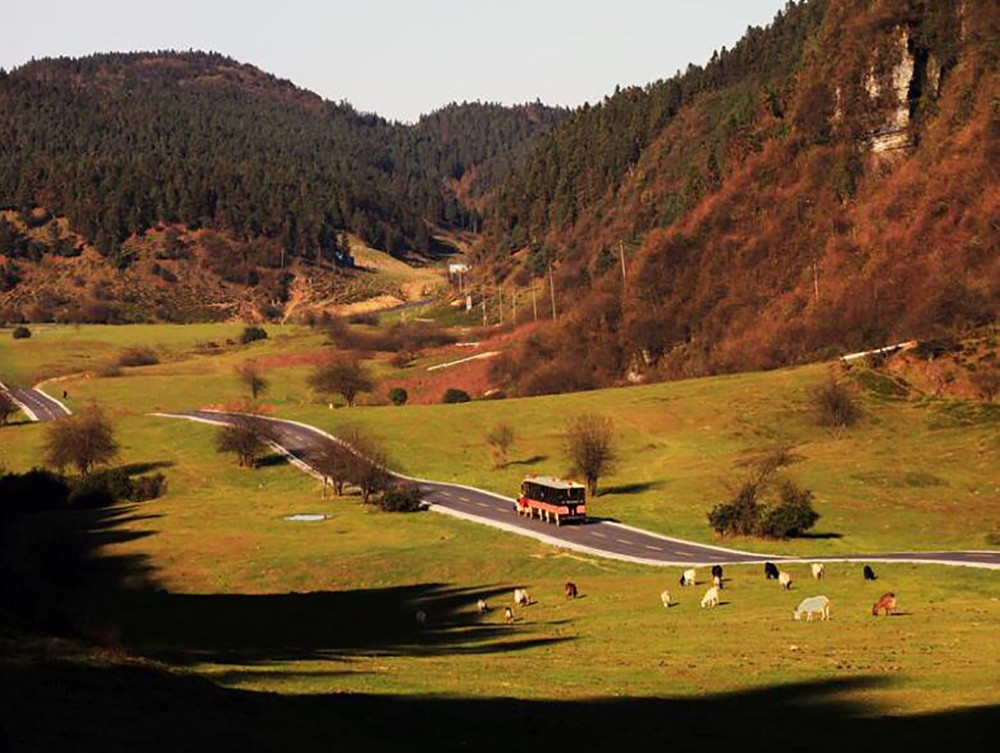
(35,404)
(604,538)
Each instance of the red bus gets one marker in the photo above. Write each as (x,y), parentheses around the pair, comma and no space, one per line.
(552,500)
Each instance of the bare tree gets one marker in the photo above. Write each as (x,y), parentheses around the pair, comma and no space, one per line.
(986,380)
(252,377)
(8,407)
(245,436)
(335,463)
(835,404)
(342,376)
(84,440)
(369,463)
(500,440)
(589,444)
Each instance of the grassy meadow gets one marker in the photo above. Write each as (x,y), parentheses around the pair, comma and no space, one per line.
(253,602)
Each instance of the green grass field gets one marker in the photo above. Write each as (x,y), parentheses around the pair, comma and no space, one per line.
(259,603)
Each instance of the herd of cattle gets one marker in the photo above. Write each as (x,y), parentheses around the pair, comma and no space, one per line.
(813,605)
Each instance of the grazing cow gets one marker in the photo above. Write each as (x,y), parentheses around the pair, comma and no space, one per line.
(421,616)
(508,615)
(785,580)
(570,589)
(887,603)
(818,570)
(717,581)
(711,597)
(770,571)
(869,573)
(665,598)
(483,606)
(717,571)
(689,577)
(521,597)
(813,605)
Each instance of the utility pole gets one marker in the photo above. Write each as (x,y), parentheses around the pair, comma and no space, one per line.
(484,310)
(552,289)
(815,281)
(500,302)
(534,301)
(513,307)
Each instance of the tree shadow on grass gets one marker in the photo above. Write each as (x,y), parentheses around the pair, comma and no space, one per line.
(127,707)
(635,488)
(137,469)
(533,460)
(812,535)
(271,461)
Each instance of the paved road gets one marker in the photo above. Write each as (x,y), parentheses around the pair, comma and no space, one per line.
(598,537)
(35,404)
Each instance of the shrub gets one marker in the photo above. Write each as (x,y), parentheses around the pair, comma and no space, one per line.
(746,514)
(986,380)
(453,395)
(368,319)
(252,377)
(931,349)
(252,334)
(7,407)
(149,487)
(398,396)
(100,489)
(402,498)
(21,333)
(834,404)
(138,357)
(109,370)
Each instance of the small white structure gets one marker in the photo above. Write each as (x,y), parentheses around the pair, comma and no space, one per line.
(456,268)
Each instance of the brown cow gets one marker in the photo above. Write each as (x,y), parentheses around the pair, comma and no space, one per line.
(508,614)
(887,603)
(570,589)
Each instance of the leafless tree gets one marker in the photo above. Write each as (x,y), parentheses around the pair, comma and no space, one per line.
(589,444)
(246,436)
(501,440)
(986,380)
(835,404)
(252,377)
(84,440)
(342,376)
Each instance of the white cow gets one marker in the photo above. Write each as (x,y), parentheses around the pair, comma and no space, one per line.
(711,597)
(813,605)
(665,598)
(689,577)
(818,570)
(522,597)
(482,606)
(785,580)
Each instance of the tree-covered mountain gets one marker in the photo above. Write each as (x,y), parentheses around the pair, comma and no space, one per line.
(831,182)
(120,142)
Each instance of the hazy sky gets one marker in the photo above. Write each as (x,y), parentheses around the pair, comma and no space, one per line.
(401,58)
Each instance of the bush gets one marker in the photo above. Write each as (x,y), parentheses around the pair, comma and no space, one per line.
(835,404)
(100,489)
(146,488)
(109,370)
(21,333)
(453,395)
(931,349)
(138,357)
(398,396)
(370,320)
(83,440)
(402,498)
(747,515)
(252,334)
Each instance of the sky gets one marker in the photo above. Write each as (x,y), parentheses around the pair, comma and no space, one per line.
(402,58)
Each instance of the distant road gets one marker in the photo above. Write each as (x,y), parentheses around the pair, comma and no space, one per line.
(602,538)
(35,404)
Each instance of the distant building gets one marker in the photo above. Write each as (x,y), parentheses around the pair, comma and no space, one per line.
(456,268)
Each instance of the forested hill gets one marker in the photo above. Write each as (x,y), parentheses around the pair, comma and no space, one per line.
(120,142)
(830,182)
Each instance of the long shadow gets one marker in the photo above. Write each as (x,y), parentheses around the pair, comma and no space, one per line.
(636,488)
(828,535)
(137,469)
(52,705)
(533,460)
